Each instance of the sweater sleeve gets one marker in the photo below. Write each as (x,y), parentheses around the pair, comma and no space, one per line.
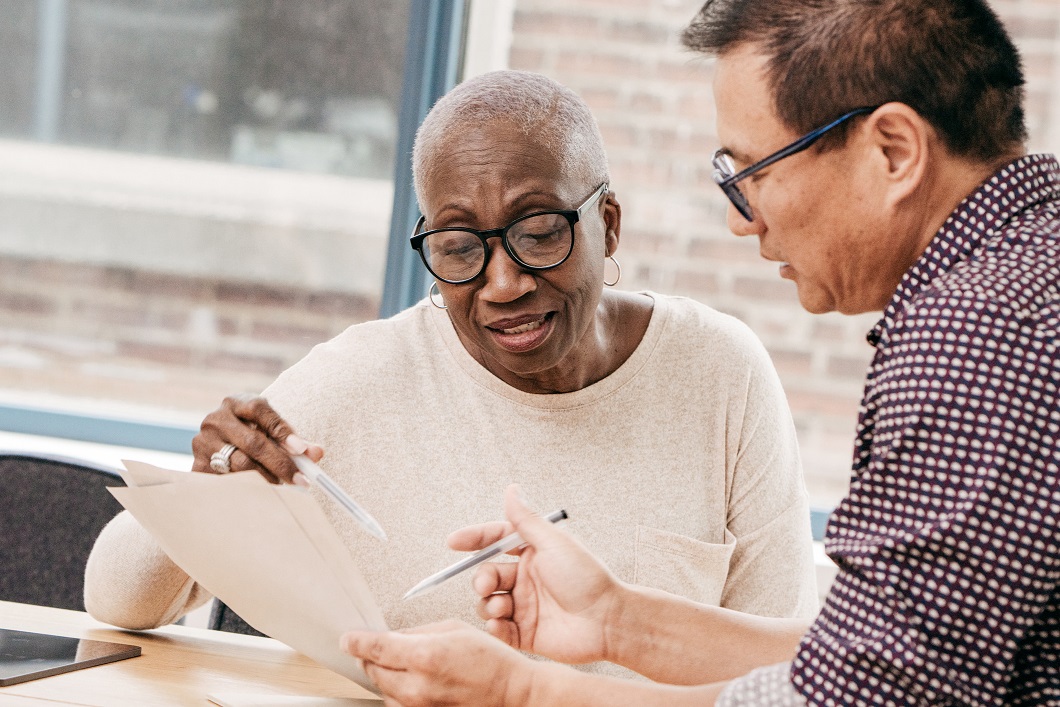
(130,582)
(771,572)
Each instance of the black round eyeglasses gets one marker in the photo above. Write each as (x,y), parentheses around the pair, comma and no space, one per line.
(537,241)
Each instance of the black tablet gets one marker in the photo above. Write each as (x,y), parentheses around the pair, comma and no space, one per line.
(27,656)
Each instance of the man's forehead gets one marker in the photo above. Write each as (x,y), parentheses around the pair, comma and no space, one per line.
(746,120)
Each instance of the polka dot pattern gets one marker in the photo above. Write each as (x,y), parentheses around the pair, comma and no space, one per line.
(947,546)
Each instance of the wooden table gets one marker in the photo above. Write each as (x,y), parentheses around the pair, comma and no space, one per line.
(178,666)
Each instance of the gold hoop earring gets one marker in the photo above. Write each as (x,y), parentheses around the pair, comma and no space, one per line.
(618,276)
(430,296)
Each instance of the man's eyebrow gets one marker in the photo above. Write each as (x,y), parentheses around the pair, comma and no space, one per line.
(738,155)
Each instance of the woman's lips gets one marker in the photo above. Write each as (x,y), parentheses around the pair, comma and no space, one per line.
(522,334)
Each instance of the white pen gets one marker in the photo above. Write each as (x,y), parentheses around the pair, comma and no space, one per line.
(317,476)
(508,542)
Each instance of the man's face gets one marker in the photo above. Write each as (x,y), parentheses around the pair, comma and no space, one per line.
(816,213)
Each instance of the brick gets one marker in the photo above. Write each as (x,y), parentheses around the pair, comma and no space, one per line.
(25,304)
(696,281)
(170,285)
(820,402)
(603,64)
(639,31)
(527,58)
(346,306)
(644,102)
(262,295)
(557,24)
(132,316)
(1029,28)
(600,99)
(616,136)
(269,365)
(791,361)
(851,368)
(228,326)
(829,330)
(161,353)
(274,331)
(765,290)
(690,75)
(731,250)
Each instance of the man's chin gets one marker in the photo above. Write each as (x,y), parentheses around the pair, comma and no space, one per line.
(814,303)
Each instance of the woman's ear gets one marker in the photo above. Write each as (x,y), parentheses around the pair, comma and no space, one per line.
(612,223)
(901,139)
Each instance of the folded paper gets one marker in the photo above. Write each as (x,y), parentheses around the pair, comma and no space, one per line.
(265,550)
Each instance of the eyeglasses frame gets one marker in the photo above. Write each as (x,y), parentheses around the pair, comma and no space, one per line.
(728,182)
(573,216)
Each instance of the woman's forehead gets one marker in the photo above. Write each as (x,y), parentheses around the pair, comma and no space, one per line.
(489,161)
(492,136)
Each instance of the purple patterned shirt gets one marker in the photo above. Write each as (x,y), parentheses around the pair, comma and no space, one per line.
(947,543)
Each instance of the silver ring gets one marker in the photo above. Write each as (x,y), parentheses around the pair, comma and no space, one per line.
(220,460)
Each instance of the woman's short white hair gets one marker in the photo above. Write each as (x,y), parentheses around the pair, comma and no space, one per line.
(554,116)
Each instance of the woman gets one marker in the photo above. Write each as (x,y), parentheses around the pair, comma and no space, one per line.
(656,422)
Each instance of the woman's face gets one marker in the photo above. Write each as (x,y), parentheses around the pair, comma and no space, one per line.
(532,329)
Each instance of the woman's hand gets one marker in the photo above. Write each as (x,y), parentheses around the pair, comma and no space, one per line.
(264,441)
(555,601)
(448,663)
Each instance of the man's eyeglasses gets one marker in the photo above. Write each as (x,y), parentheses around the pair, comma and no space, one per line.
(537,241)
(726,177)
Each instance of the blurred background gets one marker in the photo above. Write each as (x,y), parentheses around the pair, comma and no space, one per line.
(195,192)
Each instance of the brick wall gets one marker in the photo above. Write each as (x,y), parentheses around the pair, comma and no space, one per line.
(654,105)
(120,333)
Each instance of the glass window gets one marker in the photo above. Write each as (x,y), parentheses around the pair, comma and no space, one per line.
(192,192)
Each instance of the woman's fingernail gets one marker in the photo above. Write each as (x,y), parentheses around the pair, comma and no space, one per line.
(299,479)
(295,444)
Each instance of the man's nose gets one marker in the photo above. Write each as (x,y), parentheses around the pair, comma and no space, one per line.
(739,225)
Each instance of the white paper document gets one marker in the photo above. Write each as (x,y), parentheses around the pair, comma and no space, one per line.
(267,551)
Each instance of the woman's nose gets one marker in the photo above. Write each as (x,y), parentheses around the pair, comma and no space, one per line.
(504,279)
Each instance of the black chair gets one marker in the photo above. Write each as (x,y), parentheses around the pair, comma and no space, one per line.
(52,508)
(222,618)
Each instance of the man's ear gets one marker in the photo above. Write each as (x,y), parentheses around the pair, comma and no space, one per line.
(612,223)
(901,141)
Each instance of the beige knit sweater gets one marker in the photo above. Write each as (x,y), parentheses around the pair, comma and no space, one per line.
(680,470)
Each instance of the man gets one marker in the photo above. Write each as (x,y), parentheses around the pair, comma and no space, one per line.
(909,192)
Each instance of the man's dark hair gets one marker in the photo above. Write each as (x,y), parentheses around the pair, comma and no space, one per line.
(949,60)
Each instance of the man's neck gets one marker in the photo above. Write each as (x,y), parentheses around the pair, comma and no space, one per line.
(950,182)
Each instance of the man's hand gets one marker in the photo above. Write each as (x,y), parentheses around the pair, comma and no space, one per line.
(264,441)
(555,601)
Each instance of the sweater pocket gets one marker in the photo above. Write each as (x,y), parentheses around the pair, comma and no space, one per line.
(682,565)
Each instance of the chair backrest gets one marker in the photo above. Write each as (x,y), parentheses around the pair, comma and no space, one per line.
(222,618)
(51,510)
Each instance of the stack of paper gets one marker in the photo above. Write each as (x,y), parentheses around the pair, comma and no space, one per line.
(267,551)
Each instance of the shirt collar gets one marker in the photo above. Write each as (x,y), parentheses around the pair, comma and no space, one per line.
(1015,187)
